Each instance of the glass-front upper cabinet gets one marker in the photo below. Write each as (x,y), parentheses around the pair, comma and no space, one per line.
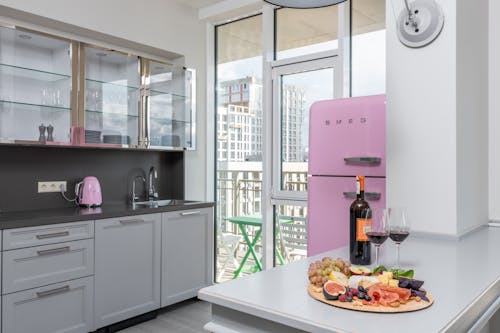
(170,106)
(35,88)
(112,98)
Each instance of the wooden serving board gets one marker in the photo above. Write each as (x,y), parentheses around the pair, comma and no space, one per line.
(408,307)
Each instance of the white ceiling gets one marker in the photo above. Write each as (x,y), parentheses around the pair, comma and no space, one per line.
(296,28)
(198,3)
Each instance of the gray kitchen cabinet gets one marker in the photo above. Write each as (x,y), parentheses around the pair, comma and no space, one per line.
(187,254)
(127,267)
(42,265)
(47,234)
(57,308)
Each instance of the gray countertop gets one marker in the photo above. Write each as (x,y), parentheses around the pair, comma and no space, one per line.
(31,218)
(462,275)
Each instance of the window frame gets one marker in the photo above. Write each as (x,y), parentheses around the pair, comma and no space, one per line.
(294,66)
(339,59)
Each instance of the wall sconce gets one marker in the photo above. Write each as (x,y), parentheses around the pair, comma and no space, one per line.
(420,23)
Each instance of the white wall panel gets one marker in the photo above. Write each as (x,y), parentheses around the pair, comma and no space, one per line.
(472,114)
(437,122)
(494,113)
(421,125)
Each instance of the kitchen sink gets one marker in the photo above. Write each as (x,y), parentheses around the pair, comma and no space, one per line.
(162,203)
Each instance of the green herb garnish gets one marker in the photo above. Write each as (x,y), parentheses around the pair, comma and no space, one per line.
(399,272)
(379,269)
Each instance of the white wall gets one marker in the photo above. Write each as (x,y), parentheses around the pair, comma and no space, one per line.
(163,24)
(437,120)
(494,114)
(421,125)
(472,114)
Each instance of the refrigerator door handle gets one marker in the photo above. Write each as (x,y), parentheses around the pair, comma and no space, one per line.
(368,195)
(363,160)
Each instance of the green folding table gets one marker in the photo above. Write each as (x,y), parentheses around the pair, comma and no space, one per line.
(253,221)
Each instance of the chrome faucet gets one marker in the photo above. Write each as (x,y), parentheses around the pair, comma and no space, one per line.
(135,197)
(152,193)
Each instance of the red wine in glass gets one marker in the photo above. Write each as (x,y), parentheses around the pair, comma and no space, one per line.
(379,228)
(377,238)
(399,236)
(399,228)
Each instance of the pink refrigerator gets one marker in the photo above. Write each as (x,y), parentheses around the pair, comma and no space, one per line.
(346,138)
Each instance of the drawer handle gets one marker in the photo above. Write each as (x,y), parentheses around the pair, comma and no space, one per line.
(53,235)
(190,213)
(368,195)
(52,291)
(53,251)
(363,160)
(131,221)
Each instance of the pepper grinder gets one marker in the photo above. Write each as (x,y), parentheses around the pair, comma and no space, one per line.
(42,128)
(50,132)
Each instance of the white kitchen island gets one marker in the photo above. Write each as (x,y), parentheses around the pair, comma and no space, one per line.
(462,275)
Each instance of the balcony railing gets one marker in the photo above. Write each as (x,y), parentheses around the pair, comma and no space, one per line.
(239,193)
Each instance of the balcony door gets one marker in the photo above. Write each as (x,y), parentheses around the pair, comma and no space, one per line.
(239,118)
(296,86)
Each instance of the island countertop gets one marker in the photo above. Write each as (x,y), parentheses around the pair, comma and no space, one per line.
(462,275)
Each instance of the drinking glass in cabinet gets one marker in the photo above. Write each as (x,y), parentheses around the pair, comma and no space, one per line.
(112,96)
(35,86)
(169,106)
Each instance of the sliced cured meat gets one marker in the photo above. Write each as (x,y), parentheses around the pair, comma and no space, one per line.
(403,293)
(375,292)
(388,299)
(381,296)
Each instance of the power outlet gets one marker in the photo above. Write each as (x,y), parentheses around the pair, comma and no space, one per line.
(48,187)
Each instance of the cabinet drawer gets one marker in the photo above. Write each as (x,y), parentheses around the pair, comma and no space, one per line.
(38,266)
(48,234)
(61,307)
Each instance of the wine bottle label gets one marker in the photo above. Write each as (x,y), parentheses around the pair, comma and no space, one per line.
(362,227)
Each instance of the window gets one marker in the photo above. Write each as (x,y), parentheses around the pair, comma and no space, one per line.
(297,83)
(306,31)
(291,233)
(239,92)
(368,47)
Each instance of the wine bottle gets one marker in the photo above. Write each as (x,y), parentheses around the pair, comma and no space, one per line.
(360,224)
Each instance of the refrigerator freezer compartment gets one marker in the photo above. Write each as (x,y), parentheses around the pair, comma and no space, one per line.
(347,137)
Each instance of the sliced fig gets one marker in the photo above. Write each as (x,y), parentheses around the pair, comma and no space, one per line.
(332,290)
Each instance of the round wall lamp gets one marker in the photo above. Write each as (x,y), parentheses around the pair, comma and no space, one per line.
(304,3)
(420,23)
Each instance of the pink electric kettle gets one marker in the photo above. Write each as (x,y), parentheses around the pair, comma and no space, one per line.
(88,192)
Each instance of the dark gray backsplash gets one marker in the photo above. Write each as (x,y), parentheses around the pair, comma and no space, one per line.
(22,167)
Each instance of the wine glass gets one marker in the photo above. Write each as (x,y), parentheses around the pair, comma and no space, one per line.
(399,227)
(379,231)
